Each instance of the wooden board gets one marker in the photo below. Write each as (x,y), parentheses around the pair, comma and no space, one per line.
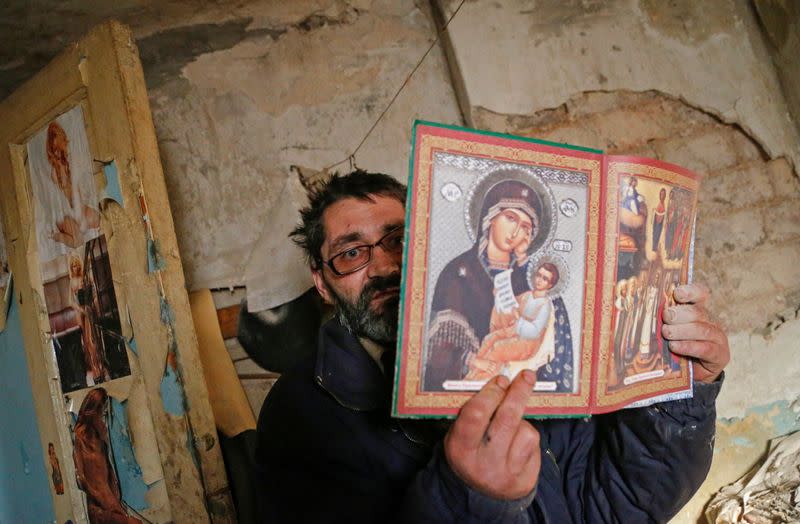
(102,73)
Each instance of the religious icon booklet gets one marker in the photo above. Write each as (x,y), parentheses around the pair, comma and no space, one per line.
(522,253)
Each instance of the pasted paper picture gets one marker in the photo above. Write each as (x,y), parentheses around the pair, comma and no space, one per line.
(522,254)
(73,256)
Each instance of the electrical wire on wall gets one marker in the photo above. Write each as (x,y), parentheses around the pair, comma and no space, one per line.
(352,156)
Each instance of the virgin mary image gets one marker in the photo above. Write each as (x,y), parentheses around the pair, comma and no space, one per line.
(511,225)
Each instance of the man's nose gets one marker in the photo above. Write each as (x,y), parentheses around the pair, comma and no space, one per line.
(383,262)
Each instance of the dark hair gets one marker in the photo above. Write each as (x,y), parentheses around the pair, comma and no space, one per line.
(553,270)
(359,184)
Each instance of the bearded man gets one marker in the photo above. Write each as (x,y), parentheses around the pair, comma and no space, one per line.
(328,451)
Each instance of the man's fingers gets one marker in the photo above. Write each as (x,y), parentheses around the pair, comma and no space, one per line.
(685,314)
(693,349)
(709,358)
(508,416)
(692,294)
(525,444)
(701,331)
(474,418)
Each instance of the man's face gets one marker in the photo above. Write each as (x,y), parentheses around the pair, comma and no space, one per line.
(366,300)
(543,280)
(510,229)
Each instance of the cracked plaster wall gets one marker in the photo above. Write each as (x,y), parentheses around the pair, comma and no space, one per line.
(780,20)
(710,54)
(667,80)
(242,90)
(237,102)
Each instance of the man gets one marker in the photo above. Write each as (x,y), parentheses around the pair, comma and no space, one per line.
(328,450)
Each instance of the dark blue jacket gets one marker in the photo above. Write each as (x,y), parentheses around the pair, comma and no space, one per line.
(329,452)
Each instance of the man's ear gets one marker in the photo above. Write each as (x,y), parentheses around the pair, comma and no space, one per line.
(322,287)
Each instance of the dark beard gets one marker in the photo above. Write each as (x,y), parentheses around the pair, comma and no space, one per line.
(361,321)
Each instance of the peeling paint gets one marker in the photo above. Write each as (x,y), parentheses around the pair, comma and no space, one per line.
(164,54)
(172,395)
(781,416)
(131,482)
(133,347)
(742,441)
(155,262)
(167,315)
(112,191)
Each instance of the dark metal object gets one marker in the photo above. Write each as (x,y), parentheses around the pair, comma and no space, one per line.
(278,338)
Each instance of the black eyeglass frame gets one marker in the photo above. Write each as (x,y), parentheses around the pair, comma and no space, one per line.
(369,247)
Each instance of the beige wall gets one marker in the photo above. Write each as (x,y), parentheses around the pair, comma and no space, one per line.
(296,83)
(690,83)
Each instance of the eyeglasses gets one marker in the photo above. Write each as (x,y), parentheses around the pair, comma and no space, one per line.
(354,258)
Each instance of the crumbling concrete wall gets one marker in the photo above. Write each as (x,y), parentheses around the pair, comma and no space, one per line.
(692,84)
(780,20)
(239,101)
(242,90)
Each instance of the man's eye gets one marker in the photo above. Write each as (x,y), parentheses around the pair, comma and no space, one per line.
(511,218)
(350,254)
(395,241)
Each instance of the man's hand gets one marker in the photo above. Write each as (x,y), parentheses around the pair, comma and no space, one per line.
(490,446)
(692,334)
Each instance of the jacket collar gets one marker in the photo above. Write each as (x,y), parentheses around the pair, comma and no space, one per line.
(346,371)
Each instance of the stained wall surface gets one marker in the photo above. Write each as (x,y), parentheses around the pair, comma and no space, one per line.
(284,84)
(699,89)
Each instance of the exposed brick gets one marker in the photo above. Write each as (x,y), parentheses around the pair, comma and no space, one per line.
(745,147)
(596,102)
(782,220)
(748,244)
(783,179)
(578,134)
(710,151)
(747,313)
(630,127)
(645,149)
(741,281)
(782,265)
(749,287)
(483,118)
(721,236)
(734,189)
(688,116)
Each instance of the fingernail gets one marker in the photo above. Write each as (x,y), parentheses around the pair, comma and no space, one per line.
(529,376)
(680,293)
(666,331)
(669,314)
(502,381)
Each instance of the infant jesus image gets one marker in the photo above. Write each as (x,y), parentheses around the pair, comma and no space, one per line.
(517,335)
